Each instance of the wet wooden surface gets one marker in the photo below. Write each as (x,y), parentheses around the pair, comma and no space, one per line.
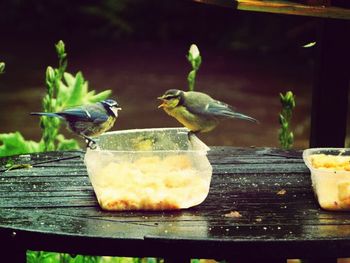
(52,207)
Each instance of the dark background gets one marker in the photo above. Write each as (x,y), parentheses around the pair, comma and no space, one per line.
(137,48)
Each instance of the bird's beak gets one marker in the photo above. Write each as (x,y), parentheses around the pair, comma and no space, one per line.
(115,111)
(163,104)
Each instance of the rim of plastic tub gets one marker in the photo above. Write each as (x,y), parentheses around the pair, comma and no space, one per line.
(310,151)
(205,148)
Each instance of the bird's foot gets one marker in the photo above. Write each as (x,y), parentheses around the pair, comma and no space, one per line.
(190,134)
(90,143)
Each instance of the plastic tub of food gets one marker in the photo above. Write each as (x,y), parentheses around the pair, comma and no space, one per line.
(149,169)
(330,175)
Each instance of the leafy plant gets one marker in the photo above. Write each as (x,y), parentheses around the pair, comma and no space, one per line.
(195,59)
(63,90)
(42,257)
(14,143)
(285,135)
(50,257)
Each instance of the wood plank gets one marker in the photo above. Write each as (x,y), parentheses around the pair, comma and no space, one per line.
(230,230)
(61,213)
(283,7)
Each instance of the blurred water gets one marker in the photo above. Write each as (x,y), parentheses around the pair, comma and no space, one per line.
(138,73)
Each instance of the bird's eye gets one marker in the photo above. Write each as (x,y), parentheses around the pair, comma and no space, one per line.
(170,97)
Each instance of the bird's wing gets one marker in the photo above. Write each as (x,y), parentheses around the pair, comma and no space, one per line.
(219,108)
(93,114)
(197,102)
(224,110)
(202,104)
(215,108)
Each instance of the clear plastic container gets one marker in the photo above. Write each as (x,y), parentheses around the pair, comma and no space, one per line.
(330,175)
(149,169)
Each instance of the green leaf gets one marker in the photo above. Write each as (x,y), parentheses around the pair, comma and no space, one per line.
(62,96)
(66,144)
(69,78)
(50,75)
(14,143)
(288,100)
(151,260)
(197,63)
(48,257)
(189,58)
(76,91)
(99,96)
(32,256)
(84,92)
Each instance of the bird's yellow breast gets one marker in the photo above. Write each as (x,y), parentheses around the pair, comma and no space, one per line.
(190,121)
(96,130)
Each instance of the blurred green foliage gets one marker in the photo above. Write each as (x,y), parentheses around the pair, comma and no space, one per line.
(14,143)
(64,90)
(50,257)
(286,136)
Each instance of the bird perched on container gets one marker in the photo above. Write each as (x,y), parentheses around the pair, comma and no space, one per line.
(197,111)
(88,120)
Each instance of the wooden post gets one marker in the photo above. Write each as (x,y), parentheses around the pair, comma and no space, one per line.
(331,85)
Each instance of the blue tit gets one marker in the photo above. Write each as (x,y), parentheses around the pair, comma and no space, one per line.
(197,111)
(88,120)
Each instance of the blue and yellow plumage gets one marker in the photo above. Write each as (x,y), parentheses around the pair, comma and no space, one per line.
(197,111)
(88,120)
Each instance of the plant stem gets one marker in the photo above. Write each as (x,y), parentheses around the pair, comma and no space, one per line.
(195,60)
(53,79)
(286,136)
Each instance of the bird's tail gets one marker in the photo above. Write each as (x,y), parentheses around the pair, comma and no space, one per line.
(244,117)
(48,114)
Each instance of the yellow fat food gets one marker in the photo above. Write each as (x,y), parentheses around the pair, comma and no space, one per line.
(344,192)
(336,162)
(332,186)
(149,183)
(178,162)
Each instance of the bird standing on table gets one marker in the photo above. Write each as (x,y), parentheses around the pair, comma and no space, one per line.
(197,111)
(88,120)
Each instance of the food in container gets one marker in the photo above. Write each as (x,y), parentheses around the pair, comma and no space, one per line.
(330,175)
(149,169)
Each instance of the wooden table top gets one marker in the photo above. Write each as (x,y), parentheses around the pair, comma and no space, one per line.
(260,204)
